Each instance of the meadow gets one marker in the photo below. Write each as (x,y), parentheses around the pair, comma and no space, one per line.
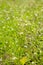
(21,32)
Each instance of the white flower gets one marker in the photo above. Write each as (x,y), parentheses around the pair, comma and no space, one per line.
(36,14)
(25,46)
(21,33)
(14,58)
(35,53)
(8,18)
(33,62)
(1,59)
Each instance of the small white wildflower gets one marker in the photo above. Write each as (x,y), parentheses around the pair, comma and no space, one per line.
(36,14)
(21,33)
(25,46)
(35,53)
(33,62)
(8,18)
(1,59)
(14,58)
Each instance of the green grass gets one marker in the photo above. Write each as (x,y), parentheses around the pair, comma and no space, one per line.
(21,32)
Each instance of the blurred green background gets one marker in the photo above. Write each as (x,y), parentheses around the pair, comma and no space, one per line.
(21,32)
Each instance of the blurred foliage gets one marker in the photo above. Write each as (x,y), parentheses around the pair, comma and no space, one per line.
(21,32)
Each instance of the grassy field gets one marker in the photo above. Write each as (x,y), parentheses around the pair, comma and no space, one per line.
(21,32)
